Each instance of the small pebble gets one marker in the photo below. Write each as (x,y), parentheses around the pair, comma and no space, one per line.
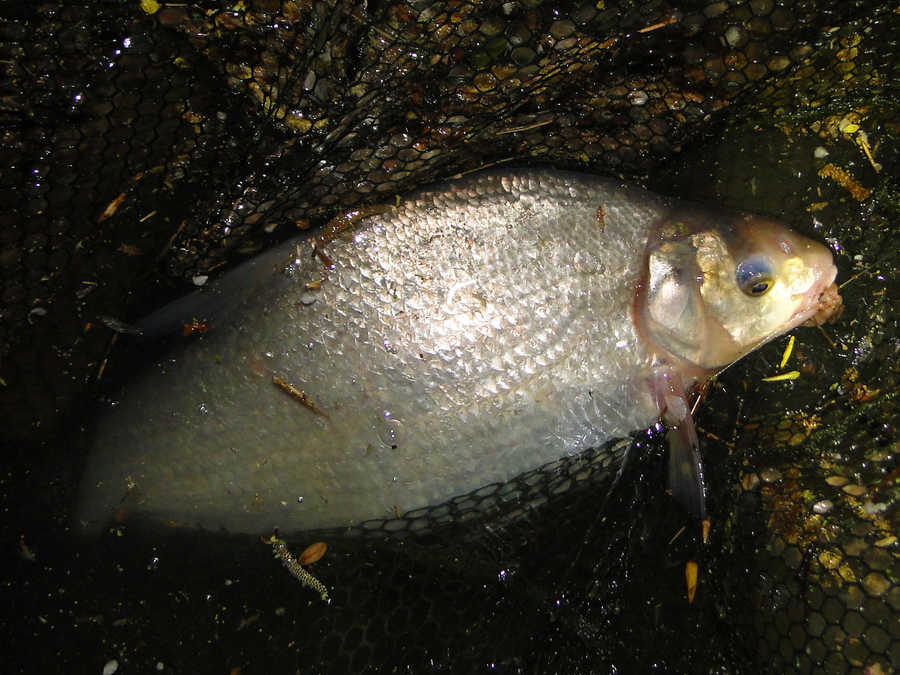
(307,299)
(823,506)
(750,481)
(855,490)
(820,153)
(876,584)
(770,475)
(638,97)
(110,667)
(200,279)
(830,559)
(836,481)
(872,508)
(733,36)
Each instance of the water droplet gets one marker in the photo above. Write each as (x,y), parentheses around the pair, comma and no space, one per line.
(389,430)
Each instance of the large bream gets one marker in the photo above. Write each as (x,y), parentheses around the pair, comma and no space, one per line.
(476,330)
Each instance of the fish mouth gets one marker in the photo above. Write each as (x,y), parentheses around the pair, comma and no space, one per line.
(812,302)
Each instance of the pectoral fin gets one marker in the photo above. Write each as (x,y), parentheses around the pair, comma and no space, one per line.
(686,478)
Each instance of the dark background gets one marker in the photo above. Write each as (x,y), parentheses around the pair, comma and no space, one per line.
(145,145)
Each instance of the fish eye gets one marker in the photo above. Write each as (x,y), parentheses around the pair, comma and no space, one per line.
(754,276)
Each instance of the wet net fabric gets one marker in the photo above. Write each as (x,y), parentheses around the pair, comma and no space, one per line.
(146,146)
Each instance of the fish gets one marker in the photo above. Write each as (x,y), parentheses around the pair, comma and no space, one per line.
(471,332)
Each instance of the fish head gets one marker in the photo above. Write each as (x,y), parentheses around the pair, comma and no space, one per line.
(719,285)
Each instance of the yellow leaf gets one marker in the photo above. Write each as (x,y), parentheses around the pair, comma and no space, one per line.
(787,352)
(790,375)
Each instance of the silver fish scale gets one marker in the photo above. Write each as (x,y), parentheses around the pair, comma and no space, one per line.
(478,330)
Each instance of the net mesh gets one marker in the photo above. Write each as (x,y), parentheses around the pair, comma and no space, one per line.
(148,145)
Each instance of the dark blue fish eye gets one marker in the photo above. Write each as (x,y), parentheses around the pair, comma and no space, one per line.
(754,276)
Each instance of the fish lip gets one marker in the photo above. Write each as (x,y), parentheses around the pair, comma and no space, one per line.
(812,296)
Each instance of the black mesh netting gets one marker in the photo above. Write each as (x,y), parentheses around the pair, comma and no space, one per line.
(147,144)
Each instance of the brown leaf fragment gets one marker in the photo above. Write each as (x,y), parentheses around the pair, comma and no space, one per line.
(111,208)
(313,553)
(129,249)
(690,576)
(301,396)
